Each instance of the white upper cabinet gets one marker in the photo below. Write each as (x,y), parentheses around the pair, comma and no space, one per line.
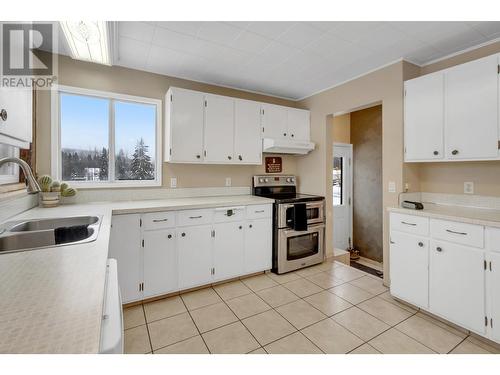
(184,125)
(471,114)
(274,121)
(298,124)
(452,114)
(424,118)
(247,132)
(16,116)
(219,129)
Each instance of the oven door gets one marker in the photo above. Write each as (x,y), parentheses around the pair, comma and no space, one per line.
(300,249)
(314,210)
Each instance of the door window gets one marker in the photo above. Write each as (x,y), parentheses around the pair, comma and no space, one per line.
(338,181)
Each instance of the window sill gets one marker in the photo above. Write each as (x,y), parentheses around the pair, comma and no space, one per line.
(112,185)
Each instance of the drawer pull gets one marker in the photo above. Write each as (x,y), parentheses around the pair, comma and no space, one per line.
(439,249)
(169,236)
(421,244)
(183,234)
(195,217)
(159,220)
(406,223)
(259,211)
(452,231)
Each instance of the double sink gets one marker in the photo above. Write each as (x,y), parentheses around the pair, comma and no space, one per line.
(25,235)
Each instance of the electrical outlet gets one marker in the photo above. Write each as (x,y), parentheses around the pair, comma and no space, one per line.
(173,182)
(392,187)
(468,187)
(228,181)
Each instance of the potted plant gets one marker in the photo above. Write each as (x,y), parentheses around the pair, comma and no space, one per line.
(52,191)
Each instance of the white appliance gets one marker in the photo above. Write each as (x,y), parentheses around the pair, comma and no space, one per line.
(285,146)
(112,314)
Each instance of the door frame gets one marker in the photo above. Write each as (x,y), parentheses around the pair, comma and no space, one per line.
(347,146)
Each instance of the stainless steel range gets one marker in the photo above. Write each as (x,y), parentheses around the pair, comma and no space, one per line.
(298,223)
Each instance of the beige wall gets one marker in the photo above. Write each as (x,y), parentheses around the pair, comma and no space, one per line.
(135,82)
(341,128)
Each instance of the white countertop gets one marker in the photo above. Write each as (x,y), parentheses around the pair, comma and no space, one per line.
(52,298)
(471,215)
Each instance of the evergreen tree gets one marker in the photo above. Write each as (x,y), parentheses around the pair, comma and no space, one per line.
(122,165)
(141,166)
(103,165)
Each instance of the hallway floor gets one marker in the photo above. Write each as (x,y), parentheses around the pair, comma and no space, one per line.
(328,308)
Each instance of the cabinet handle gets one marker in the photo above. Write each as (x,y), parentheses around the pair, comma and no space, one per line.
(292,135)
(198,156)
(452,231)
(250,226)
(436,152)
(454,152)
(240,157)
(392,242)
(159,220)
(169,236)
(406,223)
(439,249)
(3,114)
(229,157)
(240,227)
(183,234)
(259,211)
(421,244)
(284,134)
(195,217)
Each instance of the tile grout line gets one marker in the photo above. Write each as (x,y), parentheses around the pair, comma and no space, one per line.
(147,328)
(199,333)
(452,349)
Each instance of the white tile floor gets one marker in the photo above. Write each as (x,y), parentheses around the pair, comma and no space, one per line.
(329,308)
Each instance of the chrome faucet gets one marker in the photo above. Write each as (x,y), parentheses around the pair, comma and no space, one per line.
(32,186)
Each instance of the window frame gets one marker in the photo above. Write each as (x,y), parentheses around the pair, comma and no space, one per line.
(56,160)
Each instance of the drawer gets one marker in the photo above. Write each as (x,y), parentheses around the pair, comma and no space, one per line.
(158,220)
(410,224)
(228,214)
(195,217)
(460,233)
(259,211)
(493,239)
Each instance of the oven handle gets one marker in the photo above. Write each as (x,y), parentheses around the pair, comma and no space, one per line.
(310,229)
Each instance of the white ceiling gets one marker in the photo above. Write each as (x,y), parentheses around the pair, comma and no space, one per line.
(288,59)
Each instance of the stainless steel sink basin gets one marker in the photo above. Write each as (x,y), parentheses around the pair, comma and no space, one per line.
(45,224)
(41,233)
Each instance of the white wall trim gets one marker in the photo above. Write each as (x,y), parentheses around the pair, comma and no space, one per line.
(56,138)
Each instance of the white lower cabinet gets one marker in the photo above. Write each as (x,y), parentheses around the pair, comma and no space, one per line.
(456,284)
(493,294)
(409,259)
(195,256)
(160,262)
(166,252)
(258,241)
(125,247)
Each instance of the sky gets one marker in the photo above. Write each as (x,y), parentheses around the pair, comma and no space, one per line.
(84,123)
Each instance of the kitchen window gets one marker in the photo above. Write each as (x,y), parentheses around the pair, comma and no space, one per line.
(103,139)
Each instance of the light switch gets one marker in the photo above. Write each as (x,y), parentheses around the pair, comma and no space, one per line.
(173,182)
(468,187)
(228,181)
(392,187)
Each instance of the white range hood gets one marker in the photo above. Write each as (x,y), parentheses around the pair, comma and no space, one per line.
(285,146)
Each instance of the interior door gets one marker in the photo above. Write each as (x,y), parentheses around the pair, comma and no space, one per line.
(456,284)
(219,129)
(186,123)
(424,118)
(228,250)
(274,119)
(160,262)
(194,249)
(258,245)
(298,124)
(247,132)
(342,205)
(471,114)
(409,262)
(125,247)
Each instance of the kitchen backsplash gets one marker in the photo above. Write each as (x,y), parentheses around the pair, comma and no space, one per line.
(463,200)
(12,207)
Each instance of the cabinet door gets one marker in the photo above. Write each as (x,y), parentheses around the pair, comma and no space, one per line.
(17,104)
(298,124)
(471,102)
(493,295)
(247,137)
(258,245)
(186,125)
(424,118)
(219,129)
(125,247)
(409,262)
(274,119)
(228,250)
(194,252)
(456,284)
(160,262)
